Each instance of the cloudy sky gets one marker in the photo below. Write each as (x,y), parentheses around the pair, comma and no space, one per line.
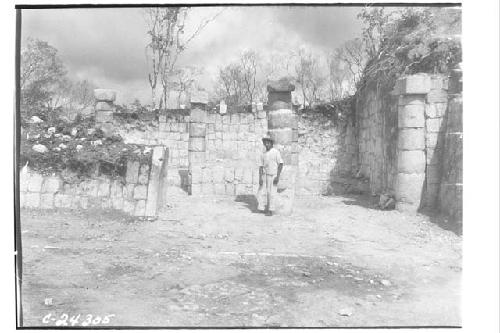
(107,45)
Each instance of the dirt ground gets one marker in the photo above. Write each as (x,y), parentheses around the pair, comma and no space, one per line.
(216,262)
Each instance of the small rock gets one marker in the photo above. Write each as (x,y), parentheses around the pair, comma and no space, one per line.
(66,137)
(74,131)
(345,312)
(97,143)
(51,130)
(40,148)
(57,135)
(48,301)
(36,120)
(63,146)
(386,283)
(91,131)
(79,147)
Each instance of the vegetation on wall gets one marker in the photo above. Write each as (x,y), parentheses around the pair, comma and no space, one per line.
(76,147)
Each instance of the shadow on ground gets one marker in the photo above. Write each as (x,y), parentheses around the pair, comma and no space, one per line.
(365,201)
(249,200)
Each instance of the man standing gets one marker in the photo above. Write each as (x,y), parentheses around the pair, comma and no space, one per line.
(270,168)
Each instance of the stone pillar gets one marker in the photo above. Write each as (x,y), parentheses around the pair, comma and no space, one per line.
(197,141)
(411,161)
(104,106)
(154,196)
(283,128)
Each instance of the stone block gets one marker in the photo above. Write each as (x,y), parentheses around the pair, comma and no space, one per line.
(84,202)
(435,110)
(409,187)
(197,145)
(235,119)
(411,100)
(196,158)
(230,189)
(196,175)
(140,208)
(47,200)
(219,188)
(414,84)
(432,139)
(433,125)
(154,187)
(411,115)
(229,174)
(198,116)
(206,175)
(132,172)
(128,206)
(240,189)
(197,130)
(247,176)
(411,139)
(411,161)
(62,200)
(207,188)
(282,136)
(51,184)
(117,203)
(143,174)
(140,192)
(282,119)
(218,174)
(437,96)
(103,116)
(31,200)
(35,182)
(195,189)
(104,188)
(24,180)
(89,187)
(238,174)
(116,189)
(104,106)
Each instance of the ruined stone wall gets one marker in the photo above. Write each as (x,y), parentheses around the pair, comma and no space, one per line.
(138,193)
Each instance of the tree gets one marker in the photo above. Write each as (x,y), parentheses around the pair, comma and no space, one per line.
(309,76)
(166,31)
(249,64)
(42,72)
(354,54)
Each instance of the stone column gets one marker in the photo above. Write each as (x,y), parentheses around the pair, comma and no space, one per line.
(104,106)
(410,178)
(197,141)
(283,128)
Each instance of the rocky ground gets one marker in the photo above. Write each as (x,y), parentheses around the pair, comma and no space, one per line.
(216,262)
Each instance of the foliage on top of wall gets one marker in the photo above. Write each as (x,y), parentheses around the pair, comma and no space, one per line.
(76,147)
(413,41)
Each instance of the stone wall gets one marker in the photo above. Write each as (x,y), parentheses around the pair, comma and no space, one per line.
(137,194)
(376,133)
(409,143)
(230,149)
(450,196)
